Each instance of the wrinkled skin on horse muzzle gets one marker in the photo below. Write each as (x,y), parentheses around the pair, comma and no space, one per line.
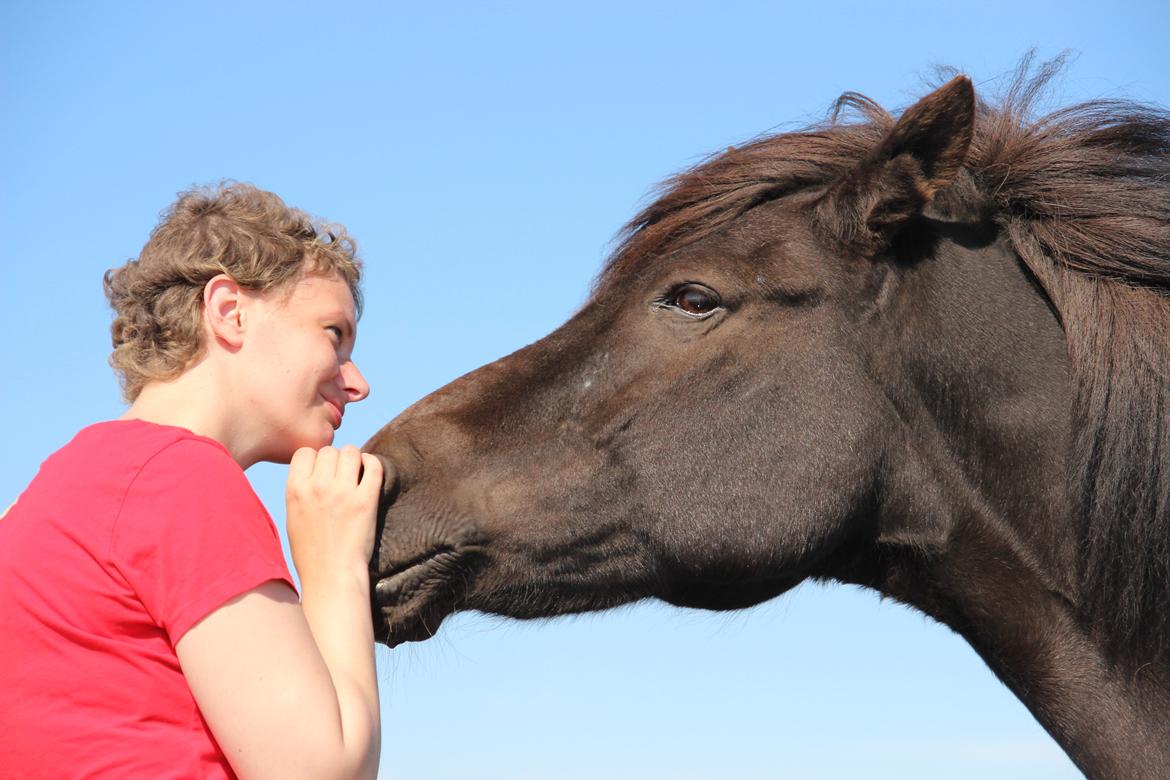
(414,588)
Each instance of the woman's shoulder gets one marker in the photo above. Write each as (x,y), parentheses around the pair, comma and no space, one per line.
(102,464)
(79,495)
(119,451)
(137,440)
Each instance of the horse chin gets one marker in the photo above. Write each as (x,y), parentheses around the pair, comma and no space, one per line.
(399,626)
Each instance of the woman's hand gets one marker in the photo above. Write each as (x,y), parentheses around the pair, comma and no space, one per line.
(331,505)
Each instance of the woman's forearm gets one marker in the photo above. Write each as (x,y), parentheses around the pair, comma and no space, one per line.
(337,609)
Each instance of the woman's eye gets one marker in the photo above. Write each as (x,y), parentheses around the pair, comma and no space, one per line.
(694,300)
(336,332)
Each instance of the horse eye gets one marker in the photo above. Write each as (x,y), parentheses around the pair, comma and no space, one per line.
(694,300)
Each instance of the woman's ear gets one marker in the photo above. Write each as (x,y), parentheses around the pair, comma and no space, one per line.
(922,153)
(223,310)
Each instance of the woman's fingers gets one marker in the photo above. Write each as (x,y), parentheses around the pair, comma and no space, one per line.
(300,467)
(372,471)
(372,475)
(331,507)
(349,463)
(325,468)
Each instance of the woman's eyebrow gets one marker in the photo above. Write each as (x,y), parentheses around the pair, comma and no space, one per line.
(348,329)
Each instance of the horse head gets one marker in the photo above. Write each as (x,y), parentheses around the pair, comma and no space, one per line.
(844,354)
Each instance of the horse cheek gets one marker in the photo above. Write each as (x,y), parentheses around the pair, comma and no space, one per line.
(785,476)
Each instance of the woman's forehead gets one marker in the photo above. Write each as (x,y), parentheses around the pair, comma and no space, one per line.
(318,296)
(319,291)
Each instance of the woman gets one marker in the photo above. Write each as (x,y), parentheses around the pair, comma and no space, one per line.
(148,623)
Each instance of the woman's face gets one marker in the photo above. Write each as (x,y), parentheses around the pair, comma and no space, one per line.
(298,365)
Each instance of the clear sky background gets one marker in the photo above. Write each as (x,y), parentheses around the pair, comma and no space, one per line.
(484,155)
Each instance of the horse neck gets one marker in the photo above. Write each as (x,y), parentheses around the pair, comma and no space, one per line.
(1113,719)
(983,381)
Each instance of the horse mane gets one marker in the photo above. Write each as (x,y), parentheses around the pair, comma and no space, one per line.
(1084,195)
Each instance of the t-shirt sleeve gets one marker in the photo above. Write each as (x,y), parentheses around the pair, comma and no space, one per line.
(192,534)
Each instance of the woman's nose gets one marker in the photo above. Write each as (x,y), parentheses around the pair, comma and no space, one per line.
(356,386)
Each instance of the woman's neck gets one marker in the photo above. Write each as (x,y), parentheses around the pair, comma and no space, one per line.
(198,401)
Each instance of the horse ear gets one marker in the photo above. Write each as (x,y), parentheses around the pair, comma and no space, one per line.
(923,152)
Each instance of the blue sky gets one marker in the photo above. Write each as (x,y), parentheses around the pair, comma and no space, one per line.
(484,155)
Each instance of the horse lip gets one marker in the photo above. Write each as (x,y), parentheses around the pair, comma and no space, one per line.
(398,582)
(417,628)
(410,596)
(413,597)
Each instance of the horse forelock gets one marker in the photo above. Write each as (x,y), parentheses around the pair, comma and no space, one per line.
(1084,194)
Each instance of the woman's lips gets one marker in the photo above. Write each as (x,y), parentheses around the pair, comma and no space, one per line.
(337,413)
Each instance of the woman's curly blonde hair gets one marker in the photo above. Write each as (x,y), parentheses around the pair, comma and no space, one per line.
(233,228)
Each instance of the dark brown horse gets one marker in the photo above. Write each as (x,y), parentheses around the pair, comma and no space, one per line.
(929,355)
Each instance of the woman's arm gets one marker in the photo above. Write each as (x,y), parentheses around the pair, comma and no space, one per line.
(289,690)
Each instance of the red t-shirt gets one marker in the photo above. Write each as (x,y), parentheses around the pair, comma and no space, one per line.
(128,536)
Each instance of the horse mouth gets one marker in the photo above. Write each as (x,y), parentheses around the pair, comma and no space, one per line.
(411,598)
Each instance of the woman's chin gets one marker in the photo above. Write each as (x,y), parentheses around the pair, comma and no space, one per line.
(314,440)
(323,439)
